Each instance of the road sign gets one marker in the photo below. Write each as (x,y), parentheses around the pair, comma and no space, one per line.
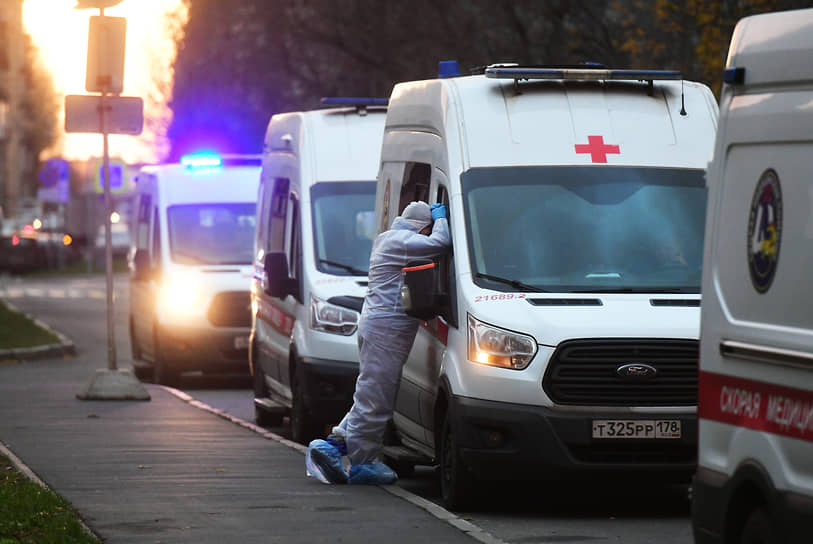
(119,183)
(53,171)
(105,61)
(125,114)
(54,181)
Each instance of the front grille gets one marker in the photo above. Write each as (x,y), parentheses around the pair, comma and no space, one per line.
(230,309)
(584,372)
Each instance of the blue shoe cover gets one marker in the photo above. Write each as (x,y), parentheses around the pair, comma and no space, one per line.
(323,461)
(372,474)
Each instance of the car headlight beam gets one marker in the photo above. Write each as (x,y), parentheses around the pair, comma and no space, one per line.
(181,298)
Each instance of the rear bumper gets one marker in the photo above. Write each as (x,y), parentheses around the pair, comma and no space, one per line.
(541,443)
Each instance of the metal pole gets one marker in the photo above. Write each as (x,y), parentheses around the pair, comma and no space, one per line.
(108,239)
(108,242)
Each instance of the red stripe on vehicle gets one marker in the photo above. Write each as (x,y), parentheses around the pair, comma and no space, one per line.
(420,267)
(761,406)
(280,320)
(438,328)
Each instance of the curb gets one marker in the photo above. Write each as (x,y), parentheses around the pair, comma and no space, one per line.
(48,351)
(433,509)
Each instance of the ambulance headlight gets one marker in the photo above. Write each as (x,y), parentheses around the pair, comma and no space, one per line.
(328,317)
(181,297)
(489,345)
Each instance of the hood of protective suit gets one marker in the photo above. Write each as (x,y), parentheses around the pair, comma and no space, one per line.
(415,217)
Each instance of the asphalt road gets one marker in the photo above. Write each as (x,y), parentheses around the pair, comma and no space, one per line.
(634,512)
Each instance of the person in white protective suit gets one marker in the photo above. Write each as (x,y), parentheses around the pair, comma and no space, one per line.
(385,336)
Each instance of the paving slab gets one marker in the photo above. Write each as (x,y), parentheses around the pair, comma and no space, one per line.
(166,470)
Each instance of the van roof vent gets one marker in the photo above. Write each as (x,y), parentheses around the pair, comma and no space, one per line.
(687,302)
(565,301)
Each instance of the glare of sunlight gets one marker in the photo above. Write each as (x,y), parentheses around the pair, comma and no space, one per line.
(60,34)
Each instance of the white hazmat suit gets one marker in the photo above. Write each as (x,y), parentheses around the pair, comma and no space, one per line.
(385,332)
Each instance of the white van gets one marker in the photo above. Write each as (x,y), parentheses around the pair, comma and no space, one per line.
(312,253)
(754,481)
(193,236)
(569,311)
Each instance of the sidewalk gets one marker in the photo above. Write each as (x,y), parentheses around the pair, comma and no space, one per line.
(169,470)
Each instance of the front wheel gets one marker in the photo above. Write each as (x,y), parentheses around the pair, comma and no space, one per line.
(303,427)
(757,529)
(163,373)
(456,482)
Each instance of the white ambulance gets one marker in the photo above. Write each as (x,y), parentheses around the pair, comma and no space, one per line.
(567,340)
(193,236)
(312,253)
(754,481)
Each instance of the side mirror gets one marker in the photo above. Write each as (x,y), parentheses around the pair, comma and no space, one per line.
(420,294)
(142,267)
(277,283)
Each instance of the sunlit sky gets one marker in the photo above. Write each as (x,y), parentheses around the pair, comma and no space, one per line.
(60,34)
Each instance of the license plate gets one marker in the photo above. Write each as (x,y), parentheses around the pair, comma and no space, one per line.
(240,342)
(636,428)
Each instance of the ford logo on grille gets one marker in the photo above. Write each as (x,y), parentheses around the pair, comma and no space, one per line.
(636,371)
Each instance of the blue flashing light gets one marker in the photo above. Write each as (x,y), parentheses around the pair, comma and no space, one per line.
(353,101)
(734,76)
(201,160)
(582,74)
(448,68)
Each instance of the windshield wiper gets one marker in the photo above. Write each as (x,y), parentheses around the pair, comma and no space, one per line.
(351,269)
(513,283)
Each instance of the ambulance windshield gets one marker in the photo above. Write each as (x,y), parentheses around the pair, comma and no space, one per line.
(586,229)
(211,233)
(343,226)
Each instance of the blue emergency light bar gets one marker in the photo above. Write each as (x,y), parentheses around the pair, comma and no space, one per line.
(353,101)
(212,160)
(580,74)
(201,160)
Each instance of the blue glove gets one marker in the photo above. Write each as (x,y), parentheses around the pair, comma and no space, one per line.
(438,211)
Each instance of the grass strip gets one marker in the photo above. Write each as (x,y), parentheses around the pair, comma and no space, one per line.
(19,331)
(30,513)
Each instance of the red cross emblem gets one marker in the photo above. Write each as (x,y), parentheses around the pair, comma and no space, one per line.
(597,148)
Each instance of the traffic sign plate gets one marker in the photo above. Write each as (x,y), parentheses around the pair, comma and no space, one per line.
(125,114)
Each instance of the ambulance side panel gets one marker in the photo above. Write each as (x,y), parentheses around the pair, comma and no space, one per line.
(281,174)
(756,349)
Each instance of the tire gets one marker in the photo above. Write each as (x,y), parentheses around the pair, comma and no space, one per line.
(303,427)
(143,372)
(262,417)
(162,372)
(758,529)
(457,485)
(135,349)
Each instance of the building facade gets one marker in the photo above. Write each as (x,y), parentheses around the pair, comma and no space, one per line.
(16,161)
